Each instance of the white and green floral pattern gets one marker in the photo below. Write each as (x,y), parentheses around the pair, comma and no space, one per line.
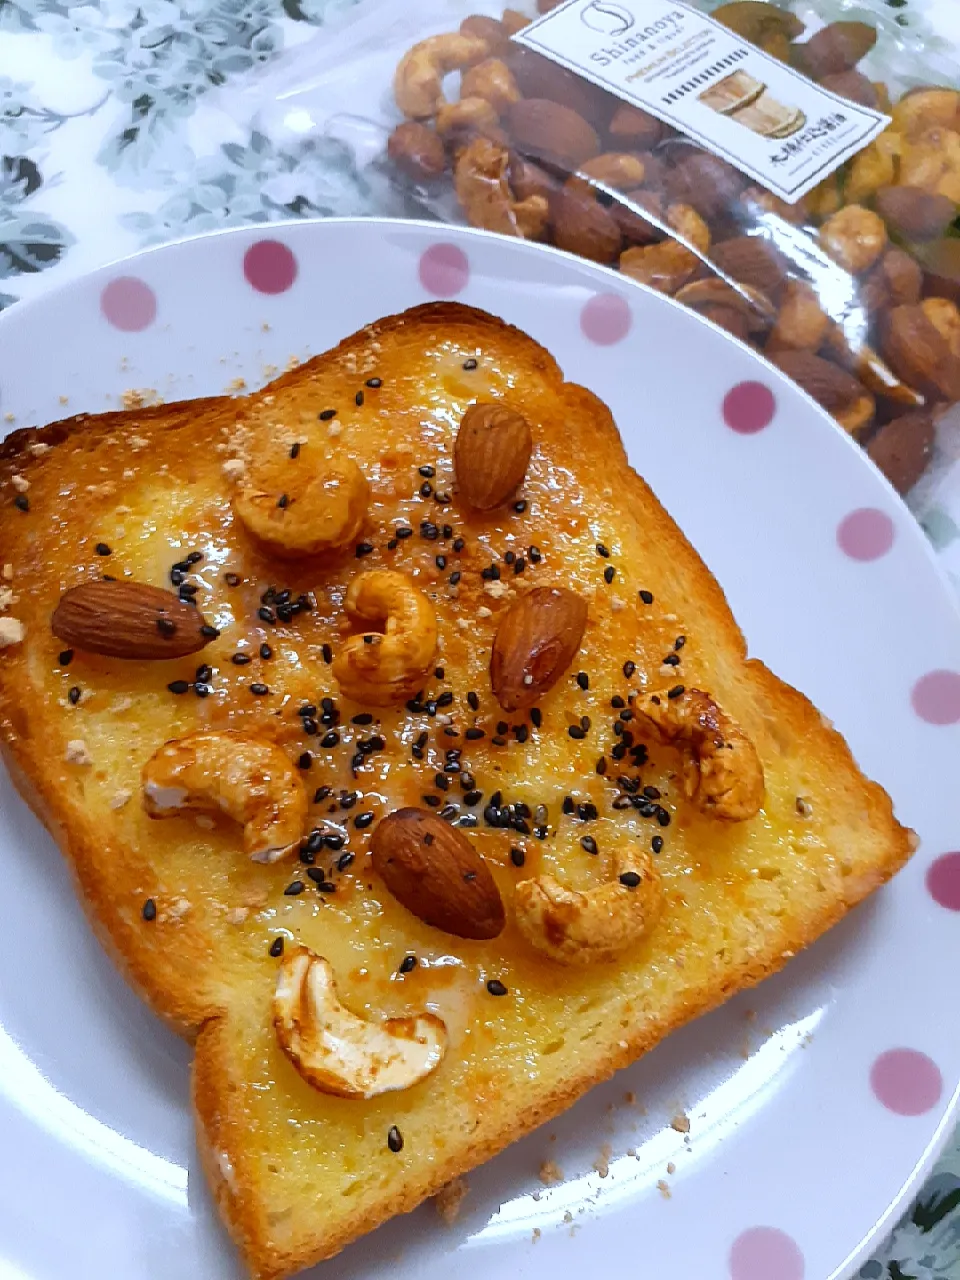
(114,135)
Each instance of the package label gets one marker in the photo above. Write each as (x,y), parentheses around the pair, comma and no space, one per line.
(669,59)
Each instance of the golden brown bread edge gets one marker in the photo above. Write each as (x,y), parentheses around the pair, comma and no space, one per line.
(220,1124)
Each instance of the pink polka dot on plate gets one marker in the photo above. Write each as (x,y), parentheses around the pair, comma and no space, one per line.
(765,1253)
(936,697)
(128,303)
(444,270)
(605,319)
(270,267)
(865,534)
(943,881)
(906,1082)
(749,407)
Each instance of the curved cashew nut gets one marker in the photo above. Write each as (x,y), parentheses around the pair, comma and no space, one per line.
(389,667)
(418,81)
(235,773)
(482,185)
(302,508)
(574,927)
(340,1053)
(722,770)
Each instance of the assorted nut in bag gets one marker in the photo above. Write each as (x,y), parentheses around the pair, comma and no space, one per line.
(852,291)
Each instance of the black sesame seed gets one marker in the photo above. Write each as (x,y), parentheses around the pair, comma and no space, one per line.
(327,653)
(630,879)
(426,489)
(520,566)
(603,551)
(534,555)
(458,545)
(455,577)
(403,531)
(321,794)
(536,717)
(491,573)
(103,550)
(240,659)
(166,626)
(330,739)
(66,657)
(587,811)
(363,820)
(74,695)
(663,817)
(602,765)
(609,573)
(374,382)
(204,673)
(433,801)
(326,414)
(652,793)
(629,668)
(295,449)
(520,507)
(429,530)
(232,579)
(445,699)
(672,660)
(345,860)
(283,501)
(305,760)
(646,596)
(208,632)
(394,1139)
(473,734)
(656,844)
(266,653)
(258,689)
(391,544)
(588,843)
(293,888)
(583,680)
(441,562)
(517,856)
(358,398)
(680,642)
(266,614)
(149,911)
(22,502)
(521,732)
(202,690)
(575,731)
(276,947)
(175,686)
(470,364)
(407,964)
(496,987)
(676,692)
(470,798)
(499,740)
(363,549)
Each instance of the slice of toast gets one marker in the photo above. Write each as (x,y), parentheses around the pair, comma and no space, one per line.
(557,789)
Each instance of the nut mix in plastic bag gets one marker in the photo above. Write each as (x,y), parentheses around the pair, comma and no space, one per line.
(852,291)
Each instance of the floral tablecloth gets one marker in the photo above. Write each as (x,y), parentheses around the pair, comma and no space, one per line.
(128,122)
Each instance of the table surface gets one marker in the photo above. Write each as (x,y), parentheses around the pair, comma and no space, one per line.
(124,123)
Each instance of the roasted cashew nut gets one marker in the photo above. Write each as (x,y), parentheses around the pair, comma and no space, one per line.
(482,185)
(247,778)
(304,507)
(384,668)
(418,82)
(340,1053)
(574,927)
(722,769)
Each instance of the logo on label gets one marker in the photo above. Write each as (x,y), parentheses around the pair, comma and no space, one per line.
(608,19)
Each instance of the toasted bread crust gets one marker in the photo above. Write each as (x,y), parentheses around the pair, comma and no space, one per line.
(181,984)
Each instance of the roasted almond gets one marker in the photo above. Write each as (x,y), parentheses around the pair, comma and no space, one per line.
(919,354)
(536,641)
(832,387)
(582,226)
(417,151)
(752,261)
(836,48)
(548,130)
(853,85)
(491,454)
(540,77)
(635,128)
(129,620)
(434,871)
(902,449)
(914,213)
(706,183)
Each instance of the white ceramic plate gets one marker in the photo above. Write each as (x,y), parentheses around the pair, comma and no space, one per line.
(815,1103)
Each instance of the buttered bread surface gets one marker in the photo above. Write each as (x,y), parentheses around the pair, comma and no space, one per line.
(586,781)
